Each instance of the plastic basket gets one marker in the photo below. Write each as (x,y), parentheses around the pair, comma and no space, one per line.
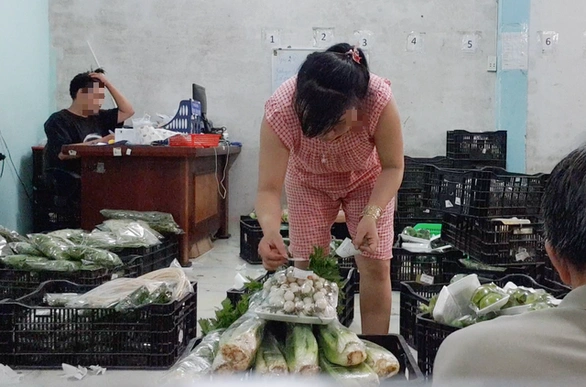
(494,241)
(473,149)
(196,140)
(36,336)
(399,222)
(410,199)
(155,257)
(407,266)
(431,334)
(433,228)
(16,283)
(187,120)
(250,236)
(489,192)
(345,313)
(493,272)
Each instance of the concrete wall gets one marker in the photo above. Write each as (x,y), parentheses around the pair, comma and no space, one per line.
(557,104)
(26,101)
(153,50)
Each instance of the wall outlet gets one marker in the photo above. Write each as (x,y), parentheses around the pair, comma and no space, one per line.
(491,64)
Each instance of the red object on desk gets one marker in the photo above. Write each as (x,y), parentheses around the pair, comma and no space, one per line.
(196,140)
(182,181)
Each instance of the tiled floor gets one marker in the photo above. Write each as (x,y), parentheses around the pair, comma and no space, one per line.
(214,272)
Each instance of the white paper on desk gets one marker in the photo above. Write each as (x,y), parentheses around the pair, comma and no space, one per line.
(128,135)
(148,134)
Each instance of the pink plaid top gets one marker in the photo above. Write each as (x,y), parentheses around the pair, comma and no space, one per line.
(336,166)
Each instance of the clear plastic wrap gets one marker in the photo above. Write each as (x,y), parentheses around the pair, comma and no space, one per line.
(4,248)
(11,236)
(239,344)
(130,233)
(340,345)
(299,293)
(116,291)
(93,256)
(51,246)
(301,350)
(100,240)
(359,375)
(27,262)
(68,233)
(59,299)
(381,360)
(269,358)
(197,365)
(25,248)
(158,221)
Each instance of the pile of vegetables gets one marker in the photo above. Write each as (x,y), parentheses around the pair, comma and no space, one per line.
(421,234)
(284,215)
(274,349)
(489,301)
(158,221)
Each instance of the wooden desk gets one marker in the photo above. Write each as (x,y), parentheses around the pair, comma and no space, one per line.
(178,180)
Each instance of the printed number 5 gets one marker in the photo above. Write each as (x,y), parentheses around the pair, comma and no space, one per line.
(469,44)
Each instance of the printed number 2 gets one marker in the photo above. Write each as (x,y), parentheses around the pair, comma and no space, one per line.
(323,36)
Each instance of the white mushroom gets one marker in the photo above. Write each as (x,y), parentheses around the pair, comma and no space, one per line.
(289,307)
(289,296)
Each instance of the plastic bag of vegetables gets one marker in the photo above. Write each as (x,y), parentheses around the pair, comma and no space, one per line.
(239,344)
(358,375)
(159,221)
(68,233)
(302,293)
(340,345)
(11,236)
(197,365)
(269,358)
(24,248)
(93,256)
(51,246)
(383,362)
(301,350)
(27,262)
(130,233)
(145,295)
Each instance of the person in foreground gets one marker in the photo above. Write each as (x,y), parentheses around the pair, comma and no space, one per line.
(332,135)
(546,347)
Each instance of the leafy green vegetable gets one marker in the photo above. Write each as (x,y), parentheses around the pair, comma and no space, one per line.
(24,248)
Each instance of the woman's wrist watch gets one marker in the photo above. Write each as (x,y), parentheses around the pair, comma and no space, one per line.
(374,212)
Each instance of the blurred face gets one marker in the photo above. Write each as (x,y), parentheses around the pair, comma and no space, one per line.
(350,121)
(91,99)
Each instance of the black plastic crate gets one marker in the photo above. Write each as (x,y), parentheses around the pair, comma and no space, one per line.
(495,241)
(345,314)
(414,174)
(471,149)
(407,266)
(486,192)
(533,270)
(413,295)
(16,283)
(431,334)
(426,216)
(250,236)
(154,257)
(396,344)
(35,336)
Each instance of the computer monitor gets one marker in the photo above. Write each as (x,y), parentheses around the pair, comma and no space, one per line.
(199,94)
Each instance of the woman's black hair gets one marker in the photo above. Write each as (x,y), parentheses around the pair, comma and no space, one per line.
(83,81)
(328,84)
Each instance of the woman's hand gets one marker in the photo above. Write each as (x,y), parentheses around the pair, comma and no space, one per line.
(366,239)
(273,251)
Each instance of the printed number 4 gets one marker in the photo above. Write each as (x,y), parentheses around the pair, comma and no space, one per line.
(414,41)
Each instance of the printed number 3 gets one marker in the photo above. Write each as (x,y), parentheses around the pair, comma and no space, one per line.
(364,42)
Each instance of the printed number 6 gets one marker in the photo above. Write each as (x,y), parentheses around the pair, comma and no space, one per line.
(548,42)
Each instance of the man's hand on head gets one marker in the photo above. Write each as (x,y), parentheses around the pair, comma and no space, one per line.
(100,77)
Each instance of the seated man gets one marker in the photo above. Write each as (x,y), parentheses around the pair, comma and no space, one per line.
(83,120)
(545,347)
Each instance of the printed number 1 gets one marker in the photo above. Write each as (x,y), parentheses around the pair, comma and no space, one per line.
(272,39)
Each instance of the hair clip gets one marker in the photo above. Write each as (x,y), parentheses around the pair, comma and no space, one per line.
(354,54)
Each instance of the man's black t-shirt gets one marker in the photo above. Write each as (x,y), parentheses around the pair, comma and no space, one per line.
(64,127)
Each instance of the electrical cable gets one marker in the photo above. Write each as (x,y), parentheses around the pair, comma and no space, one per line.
(14,167)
